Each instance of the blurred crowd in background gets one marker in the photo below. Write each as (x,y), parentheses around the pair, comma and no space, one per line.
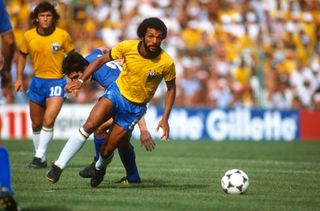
(228,53)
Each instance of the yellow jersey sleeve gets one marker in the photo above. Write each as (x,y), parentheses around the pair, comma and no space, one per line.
(47,52)
(140,77)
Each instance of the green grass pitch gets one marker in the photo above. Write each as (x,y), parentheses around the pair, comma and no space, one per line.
(179,175)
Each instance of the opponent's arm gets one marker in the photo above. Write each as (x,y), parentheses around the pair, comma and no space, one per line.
(145,137)
(92,67)
(8,48)
(104,49)
(168,103)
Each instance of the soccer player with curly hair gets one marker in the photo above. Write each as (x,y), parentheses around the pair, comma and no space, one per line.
(73,66)
(47,45)
(146,64)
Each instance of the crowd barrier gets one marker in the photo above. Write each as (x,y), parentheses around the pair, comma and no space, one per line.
(242,124)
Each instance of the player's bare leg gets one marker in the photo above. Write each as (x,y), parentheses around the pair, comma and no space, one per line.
(99,137)
(53,107)
(100,113)
(115,137)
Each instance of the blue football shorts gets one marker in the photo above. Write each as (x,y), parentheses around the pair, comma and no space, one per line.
(127,113)
(40,89)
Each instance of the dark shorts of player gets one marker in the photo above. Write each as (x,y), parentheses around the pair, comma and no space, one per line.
(127,113)
(40,89)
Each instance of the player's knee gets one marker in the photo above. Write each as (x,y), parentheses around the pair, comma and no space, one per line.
(36,127)
(90,127)
(48,123)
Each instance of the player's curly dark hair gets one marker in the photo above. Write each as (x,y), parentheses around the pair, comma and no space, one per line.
(74,62)
(44,7)
(154,23)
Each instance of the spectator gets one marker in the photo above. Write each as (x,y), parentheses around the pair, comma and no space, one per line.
(282,33)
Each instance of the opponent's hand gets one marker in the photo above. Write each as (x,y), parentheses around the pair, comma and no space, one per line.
(147,141)
(73,87)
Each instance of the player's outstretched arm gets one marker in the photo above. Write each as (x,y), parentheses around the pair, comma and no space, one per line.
(145,137)
(92,67)
(168,103)
(104,49)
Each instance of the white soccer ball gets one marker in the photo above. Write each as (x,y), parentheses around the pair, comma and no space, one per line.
(235,181)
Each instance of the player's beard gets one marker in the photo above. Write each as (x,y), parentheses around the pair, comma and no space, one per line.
(151,54)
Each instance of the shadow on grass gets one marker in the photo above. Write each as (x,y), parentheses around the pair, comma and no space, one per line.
(46,208)
(145,184)
(157,184)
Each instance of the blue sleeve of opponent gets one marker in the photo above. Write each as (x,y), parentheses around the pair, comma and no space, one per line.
(94,55)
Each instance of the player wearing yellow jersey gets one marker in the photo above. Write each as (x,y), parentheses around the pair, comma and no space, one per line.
(47,45)
(146,64)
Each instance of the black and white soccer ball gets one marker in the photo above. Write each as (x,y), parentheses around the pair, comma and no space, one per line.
(235,181)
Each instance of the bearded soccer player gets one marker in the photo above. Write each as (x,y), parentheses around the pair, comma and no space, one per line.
(146,64)
(73,66)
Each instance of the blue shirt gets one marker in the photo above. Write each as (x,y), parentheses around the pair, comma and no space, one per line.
(107,73)
(5,24)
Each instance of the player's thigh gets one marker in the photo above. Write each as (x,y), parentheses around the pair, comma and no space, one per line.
(53,107)
(100,113)
(36,115)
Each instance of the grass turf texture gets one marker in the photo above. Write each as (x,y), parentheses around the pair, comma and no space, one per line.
(180,175)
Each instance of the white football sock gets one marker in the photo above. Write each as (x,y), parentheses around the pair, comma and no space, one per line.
(35,139)
(73,145)
(102,163)
(45,137)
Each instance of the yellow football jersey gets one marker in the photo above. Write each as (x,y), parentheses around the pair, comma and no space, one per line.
(47,52)
(140,77)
